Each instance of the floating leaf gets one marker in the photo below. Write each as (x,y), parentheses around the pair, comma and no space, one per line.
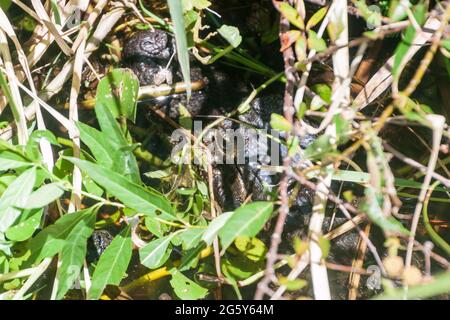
(113,264)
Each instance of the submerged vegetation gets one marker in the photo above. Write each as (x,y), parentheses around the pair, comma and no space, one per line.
(194,149)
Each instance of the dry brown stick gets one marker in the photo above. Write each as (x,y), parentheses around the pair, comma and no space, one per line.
(288,109)
(355,277)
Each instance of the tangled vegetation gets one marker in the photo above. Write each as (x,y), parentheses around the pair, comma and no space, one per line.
(99,200)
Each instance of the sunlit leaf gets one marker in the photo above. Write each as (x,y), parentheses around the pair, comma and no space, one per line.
(185,288)
(15,197)
(247,220)
(156,252)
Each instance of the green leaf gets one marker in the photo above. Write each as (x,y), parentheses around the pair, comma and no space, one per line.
(419,13)
(132,195)
(122,157)
(156,252)
(292,15)
(316,18)
(98,144)
(44,195)
(11,160)
(51,240)
(15,197)
(215,226)
(24,228)
(252,248)
(316,43)
(280,123)
(231,34)
(74,252)
(185,288)
(155,226)
(247,220)
(191,237)
(119,91)
(176,14)
(113,264)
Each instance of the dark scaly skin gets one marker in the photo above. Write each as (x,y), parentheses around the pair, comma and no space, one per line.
(147,52)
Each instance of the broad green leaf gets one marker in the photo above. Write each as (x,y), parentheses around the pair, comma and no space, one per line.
(156,252)
(156,227)
(292,15)
(176,13)
(51,240)
(247,220)
(239,267)
(198,4)
(191,257)
(113,264)
(44,195)
(131,194)
(316,18)
(231,34)
(15,197)
(119,91)
(185,288)
(215,226)
(108,125)
(24,228)
(74,252)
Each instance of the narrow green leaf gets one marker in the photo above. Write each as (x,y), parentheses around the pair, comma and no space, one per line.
(74,252)
(15,197)
(156,252)
(316,18)
(10,160)
(97,143)
(247,220)
(316,43)
(132,195)
(292,15)
(215,226)
(113,264)
(51,240)
(44,195)
(176,13)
